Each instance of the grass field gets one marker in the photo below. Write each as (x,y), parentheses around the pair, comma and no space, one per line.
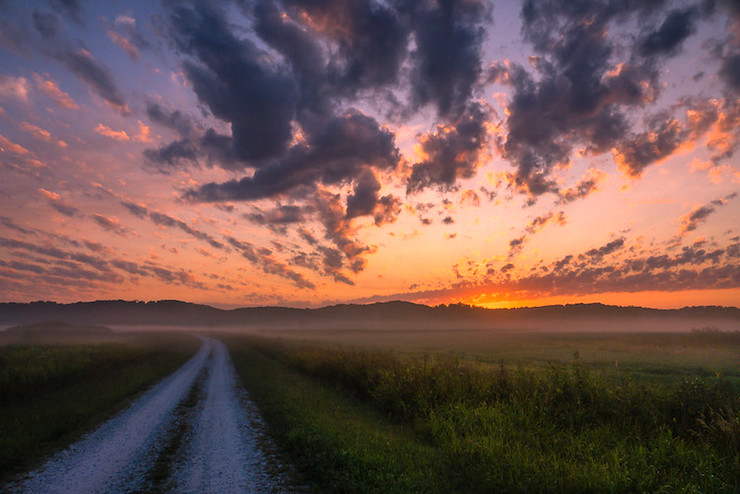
(53,392)
(482,412)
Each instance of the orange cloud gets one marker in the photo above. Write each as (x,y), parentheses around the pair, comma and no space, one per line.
(7,145)
(124,44)
(143,135)
(51,89)
(118,135)
(14,87)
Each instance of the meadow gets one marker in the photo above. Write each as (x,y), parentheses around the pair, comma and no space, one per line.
(53,390)
(481,411)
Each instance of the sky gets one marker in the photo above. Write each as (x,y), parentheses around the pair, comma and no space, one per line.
(313,152)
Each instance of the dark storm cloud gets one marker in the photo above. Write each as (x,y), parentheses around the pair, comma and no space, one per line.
(677,26)
(210,149)
(341,150)
(370,38)
(730,71)
(581,95)
(175,120)
(449,35)
(175,153)
(295,85)
(260,112)
(364,196)
(453,152)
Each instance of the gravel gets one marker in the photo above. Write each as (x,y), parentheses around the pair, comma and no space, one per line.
(223,454)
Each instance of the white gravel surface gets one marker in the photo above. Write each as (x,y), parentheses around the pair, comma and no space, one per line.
(222,454)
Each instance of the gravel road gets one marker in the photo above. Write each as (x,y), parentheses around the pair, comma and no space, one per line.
(222,454)
(219,455)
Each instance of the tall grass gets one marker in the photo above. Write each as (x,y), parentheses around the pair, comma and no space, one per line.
(50,394)
(562,427)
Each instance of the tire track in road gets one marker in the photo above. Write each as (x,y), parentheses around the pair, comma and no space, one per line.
(115,456)
(223,454)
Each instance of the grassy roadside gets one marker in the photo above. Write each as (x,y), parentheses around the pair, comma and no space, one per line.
(370,421)
(51,394)
(336,443)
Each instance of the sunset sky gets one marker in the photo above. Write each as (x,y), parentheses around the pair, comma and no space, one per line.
(309,152)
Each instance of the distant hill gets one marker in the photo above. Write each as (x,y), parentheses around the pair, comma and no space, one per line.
(387,315)
(52,331)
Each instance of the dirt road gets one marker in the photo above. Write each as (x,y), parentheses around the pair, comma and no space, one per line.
(219,455)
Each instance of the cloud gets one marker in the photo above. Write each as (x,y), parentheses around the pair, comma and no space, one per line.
(56,202)
(68,8)
(587,82)
(268,263)
(634,155)
(6,145)
(278,217)
(447,59)
(162,219)
(14,88)
(112,224)
(365,200)
(123,43)
(540,222)
(452,151)
(94,74)
(597,255)
(51,89)
(589,184)
(175,120)
(693,268)
(341,149)
(535,225)
(116,135)
(125,34)
(260,113)
(691,220)
(470,197)
(730,71)
(47,24)
(677,26)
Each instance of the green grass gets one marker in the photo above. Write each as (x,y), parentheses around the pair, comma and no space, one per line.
(336,442)
(362,420)
(51,394)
